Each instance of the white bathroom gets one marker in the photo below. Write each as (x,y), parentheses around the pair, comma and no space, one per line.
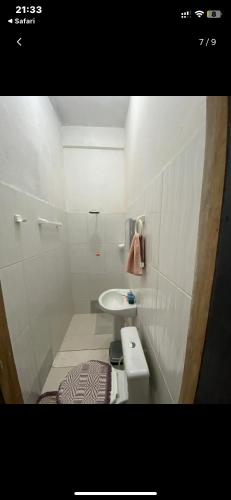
(100,201)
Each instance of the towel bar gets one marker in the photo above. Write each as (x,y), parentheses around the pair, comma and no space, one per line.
(49,222)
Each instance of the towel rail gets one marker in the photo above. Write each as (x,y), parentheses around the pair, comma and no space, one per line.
(49,222)
(139,220)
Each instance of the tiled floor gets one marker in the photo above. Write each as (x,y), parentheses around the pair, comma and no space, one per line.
(88,337)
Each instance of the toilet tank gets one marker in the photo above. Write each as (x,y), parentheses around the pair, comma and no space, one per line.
(135,365)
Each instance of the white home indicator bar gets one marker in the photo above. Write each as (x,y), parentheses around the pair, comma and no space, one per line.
(116,493)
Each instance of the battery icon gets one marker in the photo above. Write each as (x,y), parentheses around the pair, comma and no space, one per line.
(214,13)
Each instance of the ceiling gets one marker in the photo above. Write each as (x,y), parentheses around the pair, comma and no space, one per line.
(91,111)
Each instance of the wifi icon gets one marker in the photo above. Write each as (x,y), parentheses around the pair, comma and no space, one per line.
(199,13)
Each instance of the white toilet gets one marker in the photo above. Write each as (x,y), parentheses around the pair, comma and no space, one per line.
(131,385)
(98,382)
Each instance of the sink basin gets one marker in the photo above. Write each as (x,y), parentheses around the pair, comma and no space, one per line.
(114,301)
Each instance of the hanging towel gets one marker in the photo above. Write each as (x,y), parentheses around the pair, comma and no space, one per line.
(135,263)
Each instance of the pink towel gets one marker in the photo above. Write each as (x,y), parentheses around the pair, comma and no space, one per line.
(135,263)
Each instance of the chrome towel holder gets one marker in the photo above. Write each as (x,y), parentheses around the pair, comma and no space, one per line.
(49,222)
(18,218)
(139,224)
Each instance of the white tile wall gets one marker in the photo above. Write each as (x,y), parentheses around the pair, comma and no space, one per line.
(77,228)
(114,228)
(170,332)
(36,284)
(26,366)
(10,248)
(171,204)
(30,147)
(157,128)
(93,274)
(94,179)
(180,211)
(34,262)
(15,298)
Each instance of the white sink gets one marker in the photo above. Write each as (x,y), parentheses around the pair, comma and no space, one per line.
(115,301)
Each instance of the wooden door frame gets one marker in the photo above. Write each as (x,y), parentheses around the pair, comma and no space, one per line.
(215,163)
(9,383)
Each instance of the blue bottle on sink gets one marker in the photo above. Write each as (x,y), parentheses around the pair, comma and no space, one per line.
(131,297)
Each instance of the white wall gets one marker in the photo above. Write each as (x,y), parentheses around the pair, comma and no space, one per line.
(157,128)
(30,147)
(164,168)
(99,137)
(94,179)
(34,264)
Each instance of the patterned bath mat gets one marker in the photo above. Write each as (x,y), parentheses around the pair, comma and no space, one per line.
(48,398)
(87,383)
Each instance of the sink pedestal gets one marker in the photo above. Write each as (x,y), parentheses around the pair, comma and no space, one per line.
(118,324)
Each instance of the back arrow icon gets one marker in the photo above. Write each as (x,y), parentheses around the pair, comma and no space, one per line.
(18,42)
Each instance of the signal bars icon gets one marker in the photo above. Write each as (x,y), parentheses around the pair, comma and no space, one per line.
(186,14)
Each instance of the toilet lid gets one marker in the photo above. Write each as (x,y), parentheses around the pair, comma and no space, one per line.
(87,383)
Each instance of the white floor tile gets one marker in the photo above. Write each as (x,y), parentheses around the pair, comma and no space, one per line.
(81,324)
(104,324)
(73,358)
(55,377)
(86,342)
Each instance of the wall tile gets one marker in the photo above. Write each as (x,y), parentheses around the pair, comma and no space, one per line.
(153,195)
(30,147)
(40,339)
(180,213)
(27,207)
(10,237)
(114,228)
(95,231)
(94,179)
(81,306)
(50,236)
(114,258)
(26,367)
(84,259)
(170,333)
(45,368)
(80,286)
(157,127)
(160,391)
(98,283)
(155,235)
(35,279)
(146,299)
(96,263)
(148,229)
(79,258)
(15,299)
(77,228)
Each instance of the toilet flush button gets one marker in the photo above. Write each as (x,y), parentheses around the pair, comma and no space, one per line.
(132,345)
